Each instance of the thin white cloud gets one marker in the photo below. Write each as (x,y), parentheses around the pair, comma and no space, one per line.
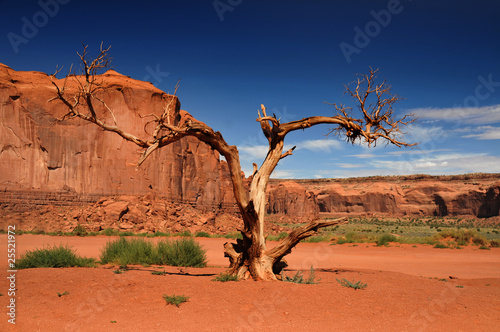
(256,151)
(485,133)
(320,145)
(363,155)
(469,115)
(284,174)
(347,165)
(441,164)
(416,151)
(422,134)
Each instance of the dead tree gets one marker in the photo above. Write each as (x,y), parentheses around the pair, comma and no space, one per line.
(249,257)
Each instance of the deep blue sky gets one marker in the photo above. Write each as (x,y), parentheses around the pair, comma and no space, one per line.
(439,55)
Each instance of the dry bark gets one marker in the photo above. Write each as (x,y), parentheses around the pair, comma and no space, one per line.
(248,257)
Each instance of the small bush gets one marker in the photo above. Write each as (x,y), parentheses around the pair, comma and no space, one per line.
(202,234)
(440,245)
(298,278)
(158,273)
(356,285)
(233,235)
(62,294)
(494,244)
(109,232)
(79,231)
(479,240)
(125,251)
(223,277)
(385,239)
(278,237)
(316,239)
(185,234)
(61,256)
(176,300)
(352,237)
(484,248)
(182,252)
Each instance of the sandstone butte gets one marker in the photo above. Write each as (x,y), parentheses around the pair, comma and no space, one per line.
(45,166)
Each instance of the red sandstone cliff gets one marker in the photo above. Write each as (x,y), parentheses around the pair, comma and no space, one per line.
(473,195)
(38,153)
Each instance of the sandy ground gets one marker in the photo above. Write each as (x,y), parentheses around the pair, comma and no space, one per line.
(409,289)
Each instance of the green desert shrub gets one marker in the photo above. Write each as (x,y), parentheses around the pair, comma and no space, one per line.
(110,232)
(176,300)
(385,239)
(224,277)
(298,278)
(440,245)
(479,240)
(79,231)
(57,256)
(352,237)
(181,252)
(352,284)
(124,251)
(278,237)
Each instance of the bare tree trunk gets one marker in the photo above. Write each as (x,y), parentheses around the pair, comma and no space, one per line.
(250,258)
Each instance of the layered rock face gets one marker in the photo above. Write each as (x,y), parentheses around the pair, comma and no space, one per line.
(467,195)
(292,201)
(39,153)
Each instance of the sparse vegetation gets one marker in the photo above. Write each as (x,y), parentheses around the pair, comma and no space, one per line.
(79,231)
(182,252)
(57,256)
(298,278)
(62,294)
(224,277)
(385,239)
(176,300)
(352,284)
(158,273)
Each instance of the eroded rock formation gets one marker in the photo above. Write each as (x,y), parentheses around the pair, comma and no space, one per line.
(467,195)
(36,152)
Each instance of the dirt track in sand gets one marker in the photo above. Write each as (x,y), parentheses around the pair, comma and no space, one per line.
(404,292)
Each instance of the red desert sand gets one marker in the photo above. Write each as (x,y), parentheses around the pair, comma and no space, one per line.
(408,289)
